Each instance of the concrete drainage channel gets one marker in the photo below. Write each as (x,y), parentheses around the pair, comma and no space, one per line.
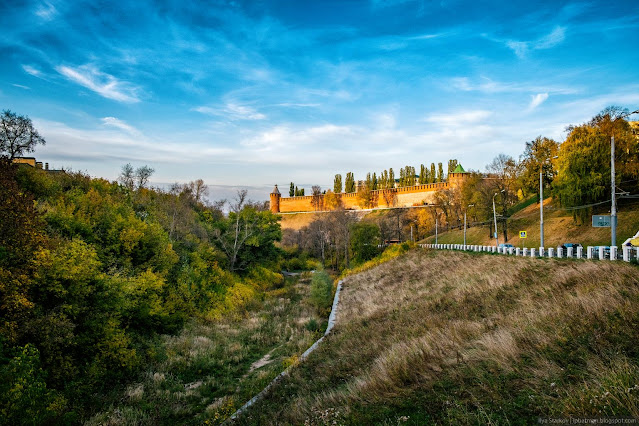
(592,253)
(279,377)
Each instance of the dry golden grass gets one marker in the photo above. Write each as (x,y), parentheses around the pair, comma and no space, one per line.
(296,221)
(459,337)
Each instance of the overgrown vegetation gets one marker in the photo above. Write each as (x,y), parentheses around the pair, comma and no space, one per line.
(92,272)
(210,369)
(321,292)
(465,338)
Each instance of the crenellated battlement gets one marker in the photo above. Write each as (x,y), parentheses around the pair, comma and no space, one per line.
(405,196)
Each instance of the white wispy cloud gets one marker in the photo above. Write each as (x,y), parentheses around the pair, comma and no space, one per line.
(557,36)
(537,100)
(488,85)
(232,111)
(522,48)
(101,83)
(244,112)
(459,118)
(46,11)
(119,124)
(32,70)
(21,86)
(283,136)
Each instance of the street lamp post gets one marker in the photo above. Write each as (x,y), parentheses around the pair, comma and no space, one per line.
(495,217)
(541,206)
(465,211)
(541,201)
(613,207)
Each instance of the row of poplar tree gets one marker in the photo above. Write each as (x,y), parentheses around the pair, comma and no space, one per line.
(386,179)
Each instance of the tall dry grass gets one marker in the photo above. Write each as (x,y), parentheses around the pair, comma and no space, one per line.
(460,337)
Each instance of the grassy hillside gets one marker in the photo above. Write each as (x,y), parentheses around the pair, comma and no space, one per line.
(559,227)
(212,368)
(296,221)
(452,337)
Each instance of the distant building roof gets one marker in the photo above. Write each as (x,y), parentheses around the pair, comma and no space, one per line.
(275,190)
(459,169)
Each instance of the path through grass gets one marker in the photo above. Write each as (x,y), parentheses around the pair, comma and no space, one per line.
(211,369)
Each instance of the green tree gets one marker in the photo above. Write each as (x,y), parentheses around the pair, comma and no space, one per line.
(583,175)
(504,171)
(375,182)
(21,238)
(127,176)
(321,292)
(538,157)
(142,176)
(349,183)
(247,236)
(17,135)
(410,175)
(365,239)
(433,173)
(337,184)
(440,172)
(452,164)
(391,178)
(291,190)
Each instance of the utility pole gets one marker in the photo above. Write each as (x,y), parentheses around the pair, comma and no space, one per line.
(436,229)
(465,211)
(541,207)
(541,200)
(495,216)
(613,208)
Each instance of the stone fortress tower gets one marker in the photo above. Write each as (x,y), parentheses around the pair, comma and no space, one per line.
(275,200)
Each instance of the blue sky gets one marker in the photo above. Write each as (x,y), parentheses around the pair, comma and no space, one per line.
(262,92)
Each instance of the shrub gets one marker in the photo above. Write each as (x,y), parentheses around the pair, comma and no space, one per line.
(321,291)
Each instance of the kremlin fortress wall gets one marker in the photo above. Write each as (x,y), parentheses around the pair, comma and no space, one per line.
(406,196)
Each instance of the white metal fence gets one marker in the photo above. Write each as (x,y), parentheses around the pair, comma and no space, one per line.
(625,253)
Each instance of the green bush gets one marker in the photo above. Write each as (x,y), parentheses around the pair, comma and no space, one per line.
(321,292)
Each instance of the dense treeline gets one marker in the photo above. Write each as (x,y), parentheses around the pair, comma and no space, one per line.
(576,173)
(91,271)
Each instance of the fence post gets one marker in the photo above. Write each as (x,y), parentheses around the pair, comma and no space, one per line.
(551,251)
(580,252)
(626,253)
(525,252)
(517,251)
(541,252)
(602,253)
(560,252)
(613,253)
(570,250)
(532,252)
